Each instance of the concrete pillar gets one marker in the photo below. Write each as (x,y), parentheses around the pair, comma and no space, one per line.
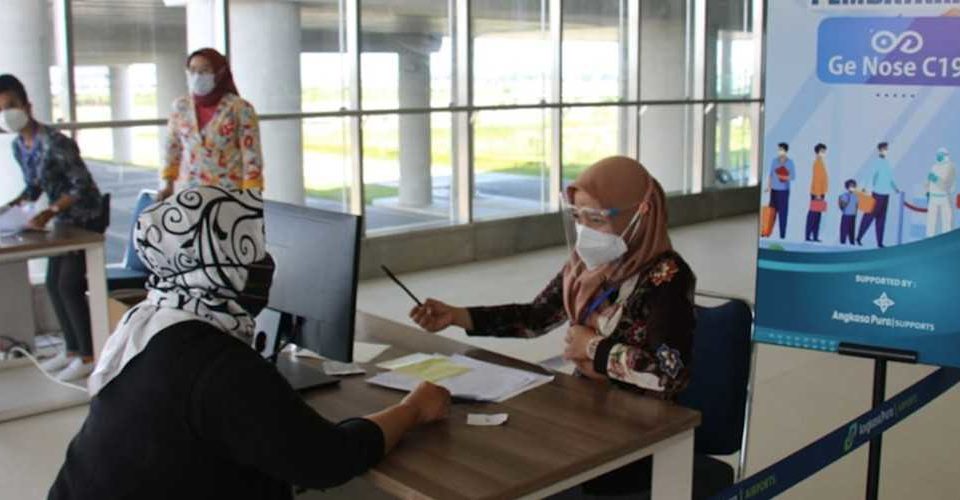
(27,39)
(205,26)
(416,183)
(664,75)
(267,72)
(121,108)
(171,84)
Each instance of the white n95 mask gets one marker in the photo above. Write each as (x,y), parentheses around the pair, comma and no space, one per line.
(597,248)
(201,84)
(13,120)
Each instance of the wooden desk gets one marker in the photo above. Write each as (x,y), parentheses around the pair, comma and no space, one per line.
(558,435)
(61,240)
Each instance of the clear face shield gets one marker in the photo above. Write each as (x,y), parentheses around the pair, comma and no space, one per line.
(589,232)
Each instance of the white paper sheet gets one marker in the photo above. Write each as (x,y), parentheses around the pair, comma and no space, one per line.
(485,382)
(365,352)
(15,219)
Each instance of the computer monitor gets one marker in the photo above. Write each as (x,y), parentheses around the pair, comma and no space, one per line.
(317,256)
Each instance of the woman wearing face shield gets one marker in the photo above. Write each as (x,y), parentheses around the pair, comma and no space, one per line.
(182,407)
(625,295)
(213,136)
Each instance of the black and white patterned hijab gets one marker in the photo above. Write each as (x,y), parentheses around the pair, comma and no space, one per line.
(198,246)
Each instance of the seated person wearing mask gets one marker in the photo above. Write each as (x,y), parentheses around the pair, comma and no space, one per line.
(625,294)
(183,407)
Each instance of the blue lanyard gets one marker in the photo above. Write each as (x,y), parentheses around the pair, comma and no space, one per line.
(597,302)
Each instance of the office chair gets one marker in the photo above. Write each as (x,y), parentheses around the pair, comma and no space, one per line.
(131,273)
(718,389)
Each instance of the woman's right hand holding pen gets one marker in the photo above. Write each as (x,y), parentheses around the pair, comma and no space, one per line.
(434,316)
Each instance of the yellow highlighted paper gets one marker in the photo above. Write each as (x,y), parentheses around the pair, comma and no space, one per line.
(433,370)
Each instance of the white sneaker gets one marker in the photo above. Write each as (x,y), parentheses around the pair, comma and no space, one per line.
(56,363)
(76,370)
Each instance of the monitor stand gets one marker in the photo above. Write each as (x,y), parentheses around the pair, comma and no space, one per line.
(302,376)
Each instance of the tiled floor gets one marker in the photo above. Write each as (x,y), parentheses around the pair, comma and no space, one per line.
(800,395)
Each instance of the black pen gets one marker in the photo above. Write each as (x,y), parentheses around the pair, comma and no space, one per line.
(468,399)
(399,283)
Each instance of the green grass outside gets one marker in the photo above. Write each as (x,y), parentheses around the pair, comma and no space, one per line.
(370,192)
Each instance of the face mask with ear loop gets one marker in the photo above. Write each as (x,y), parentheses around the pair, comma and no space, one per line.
(201,84)
(13,120)
(597,248)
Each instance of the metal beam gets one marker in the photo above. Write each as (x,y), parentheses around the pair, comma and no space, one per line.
(352,29)
(633,80)
(462,193)
(555,162)
(65,50)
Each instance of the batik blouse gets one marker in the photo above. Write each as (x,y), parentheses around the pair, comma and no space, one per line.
(54,166)
(647,325)
(226,153)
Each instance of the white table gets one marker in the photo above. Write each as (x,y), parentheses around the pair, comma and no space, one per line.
(61,240)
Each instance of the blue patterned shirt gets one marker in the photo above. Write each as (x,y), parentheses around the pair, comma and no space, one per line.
(54,166)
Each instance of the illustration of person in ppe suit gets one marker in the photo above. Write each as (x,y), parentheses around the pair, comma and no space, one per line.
(940,189)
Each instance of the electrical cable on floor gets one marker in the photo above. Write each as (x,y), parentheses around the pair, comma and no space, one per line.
(27,354)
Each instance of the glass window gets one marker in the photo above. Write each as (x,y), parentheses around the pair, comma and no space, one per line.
(733,49)
(129,66)
(589,134)
(666,50)
(406,58)
(594,52)
(511,51)
(324,65)
(129,61)
(123,181)
(667,142)
(326,163)
(510,163)
(406,170)
(732,145)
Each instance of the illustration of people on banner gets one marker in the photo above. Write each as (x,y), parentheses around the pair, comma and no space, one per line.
(875,191)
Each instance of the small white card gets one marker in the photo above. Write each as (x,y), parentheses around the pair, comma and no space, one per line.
(485,420)
(336,368)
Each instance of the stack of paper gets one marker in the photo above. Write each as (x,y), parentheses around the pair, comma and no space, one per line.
(463,376)
(14,219)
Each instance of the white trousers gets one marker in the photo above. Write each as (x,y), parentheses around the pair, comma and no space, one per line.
(939,208)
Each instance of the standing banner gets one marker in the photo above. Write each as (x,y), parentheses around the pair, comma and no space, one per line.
(858,225)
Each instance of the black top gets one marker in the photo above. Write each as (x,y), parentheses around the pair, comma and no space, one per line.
(198,414)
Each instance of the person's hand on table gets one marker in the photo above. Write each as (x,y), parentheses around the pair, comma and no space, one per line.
(430,402)
(434,316)
(39,221)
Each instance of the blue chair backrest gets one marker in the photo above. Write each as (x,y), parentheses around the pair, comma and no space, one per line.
(130,259)
(720,373)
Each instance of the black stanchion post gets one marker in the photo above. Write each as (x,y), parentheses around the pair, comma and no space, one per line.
(873,462)
(880,356)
